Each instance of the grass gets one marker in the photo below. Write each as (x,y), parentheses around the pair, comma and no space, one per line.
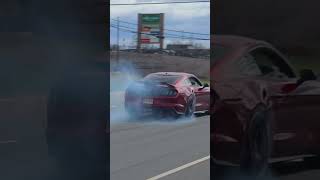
(299,63)
(122,76)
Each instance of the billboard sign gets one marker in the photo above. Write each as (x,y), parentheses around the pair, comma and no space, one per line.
(150,28)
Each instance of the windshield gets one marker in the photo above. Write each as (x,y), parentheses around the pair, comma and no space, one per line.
(157,78)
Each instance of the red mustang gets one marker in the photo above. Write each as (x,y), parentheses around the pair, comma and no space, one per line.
(167,93)
(262,112)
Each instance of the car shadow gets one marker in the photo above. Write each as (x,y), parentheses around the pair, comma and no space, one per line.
(164,119)
(292,167)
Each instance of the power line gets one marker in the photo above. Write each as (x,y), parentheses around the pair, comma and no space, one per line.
(153,3)
(125,22)
(185,32)
(166,36)
(131,28)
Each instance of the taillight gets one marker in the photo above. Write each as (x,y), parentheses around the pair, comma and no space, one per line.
(287,88)
(165,92)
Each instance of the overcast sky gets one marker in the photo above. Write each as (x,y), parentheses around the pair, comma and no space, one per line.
(186,17)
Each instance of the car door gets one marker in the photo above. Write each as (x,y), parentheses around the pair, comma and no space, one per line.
(298,120)
(291,120)
(202,94)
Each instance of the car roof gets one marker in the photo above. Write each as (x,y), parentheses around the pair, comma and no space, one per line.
(236,41)
(173,73)
(242,43)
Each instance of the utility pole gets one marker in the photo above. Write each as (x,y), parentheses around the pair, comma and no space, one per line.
(139,33)
(118,44)
(161,30)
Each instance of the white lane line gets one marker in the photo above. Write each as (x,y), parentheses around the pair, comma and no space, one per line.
(7,142)
(179,168)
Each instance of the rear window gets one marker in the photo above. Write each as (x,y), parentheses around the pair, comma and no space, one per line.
(157,78)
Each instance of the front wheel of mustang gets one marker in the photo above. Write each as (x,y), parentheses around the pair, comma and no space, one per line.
(257,144)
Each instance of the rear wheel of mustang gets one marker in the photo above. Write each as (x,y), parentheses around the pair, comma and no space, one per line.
(219,171)
(132,112)
(257,148)
(190,106)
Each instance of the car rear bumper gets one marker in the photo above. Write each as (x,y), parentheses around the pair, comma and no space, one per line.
(157,105)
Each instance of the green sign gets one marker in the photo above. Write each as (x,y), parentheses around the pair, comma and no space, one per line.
(151,19)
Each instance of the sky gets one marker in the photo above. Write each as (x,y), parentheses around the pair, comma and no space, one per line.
(185,17)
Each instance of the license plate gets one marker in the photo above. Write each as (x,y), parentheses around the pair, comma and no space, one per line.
(147,101)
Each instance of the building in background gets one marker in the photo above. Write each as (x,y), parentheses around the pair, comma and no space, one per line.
(189,50)
(178,47)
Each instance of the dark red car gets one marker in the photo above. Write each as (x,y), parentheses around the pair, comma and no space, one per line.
(262,111)
(167,93)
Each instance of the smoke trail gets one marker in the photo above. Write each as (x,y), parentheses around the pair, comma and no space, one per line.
(122,74)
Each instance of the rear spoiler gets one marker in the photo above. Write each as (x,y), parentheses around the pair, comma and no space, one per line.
(165,83)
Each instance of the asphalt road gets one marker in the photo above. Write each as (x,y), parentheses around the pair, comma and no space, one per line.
(139,149)
(281,171)
(149,148)
(145,148)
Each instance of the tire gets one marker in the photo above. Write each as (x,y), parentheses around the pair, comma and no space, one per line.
(312,162)
(190,107)
(217,171)
(175,116)
(257,144)
(133,114)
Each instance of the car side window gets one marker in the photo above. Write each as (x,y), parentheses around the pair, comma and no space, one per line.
(195,82)
(247,66)
(186,82)
(271,64)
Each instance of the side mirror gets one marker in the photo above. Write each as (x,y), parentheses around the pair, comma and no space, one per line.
(205,85)
(306,75)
